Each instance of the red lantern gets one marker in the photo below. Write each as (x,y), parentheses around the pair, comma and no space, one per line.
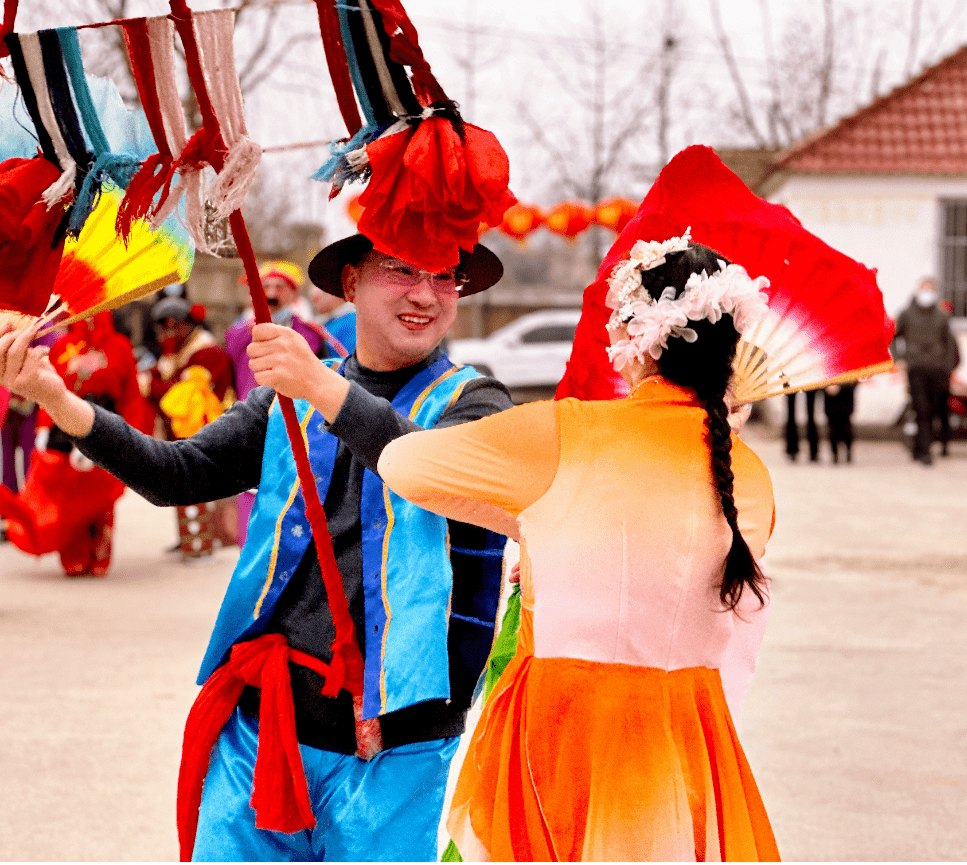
(520,220)
(569,218)
(615,213)
(354,208)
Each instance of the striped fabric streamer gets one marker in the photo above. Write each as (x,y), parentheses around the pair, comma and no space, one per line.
(405,49)
(107,167)
(160,32)
(62,104)
(150,45)
(382,87)
(396,87)
(346,162)
(214,32)
(25,52)
(335,50)
(12,42)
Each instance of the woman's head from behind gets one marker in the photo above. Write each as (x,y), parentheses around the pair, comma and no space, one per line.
(680,307)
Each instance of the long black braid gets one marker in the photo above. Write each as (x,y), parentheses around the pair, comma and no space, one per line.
(705,366)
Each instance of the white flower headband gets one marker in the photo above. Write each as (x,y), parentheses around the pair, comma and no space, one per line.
(650,322)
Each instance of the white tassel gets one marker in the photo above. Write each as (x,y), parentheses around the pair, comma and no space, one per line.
(61,187)
(228,190)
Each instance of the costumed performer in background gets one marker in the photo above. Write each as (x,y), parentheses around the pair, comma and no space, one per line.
(374,783)
(191,384)
(610,735)
(281,281)
(337,317)
(19,429)
(67,503)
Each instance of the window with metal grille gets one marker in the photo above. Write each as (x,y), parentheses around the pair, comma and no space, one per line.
(953,255)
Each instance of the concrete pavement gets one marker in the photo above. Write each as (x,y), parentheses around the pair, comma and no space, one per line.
(856,724)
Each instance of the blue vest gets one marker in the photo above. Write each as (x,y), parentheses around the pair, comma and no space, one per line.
(407,575)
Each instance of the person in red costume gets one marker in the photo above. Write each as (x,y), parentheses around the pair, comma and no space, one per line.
(186,344)
(67,503)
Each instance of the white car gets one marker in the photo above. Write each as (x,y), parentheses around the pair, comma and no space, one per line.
(531,351)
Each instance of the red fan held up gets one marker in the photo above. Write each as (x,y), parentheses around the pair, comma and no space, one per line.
(830,303)
(431,189)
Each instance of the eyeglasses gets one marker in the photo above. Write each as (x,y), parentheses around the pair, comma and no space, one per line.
(403,275)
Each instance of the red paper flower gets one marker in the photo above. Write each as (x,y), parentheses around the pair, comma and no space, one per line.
(29,258)
(430,191)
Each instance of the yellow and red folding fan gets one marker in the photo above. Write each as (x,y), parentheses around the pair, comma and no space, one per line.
(826,322)
(97,271)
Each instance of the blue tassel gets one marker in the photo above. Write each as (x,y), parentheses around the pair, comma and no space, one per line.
(109,169)
(337,168)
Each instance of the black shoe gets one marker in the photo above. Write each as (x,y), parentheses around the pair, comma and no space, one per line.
(944,451)
(926,459)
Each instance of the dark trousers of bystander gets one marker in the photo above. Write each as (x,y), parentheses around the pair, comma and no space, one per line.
(792,429)
(929,393)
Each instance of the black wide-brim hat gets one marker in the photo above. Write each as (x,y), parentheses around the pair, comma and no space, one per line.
(480,266)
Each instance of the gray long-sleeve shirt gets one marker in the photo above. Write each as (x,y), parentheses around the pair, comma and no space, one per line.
(225,458)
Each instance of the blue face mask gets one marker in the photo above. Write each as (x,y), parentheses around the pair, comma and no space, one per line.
(282,317)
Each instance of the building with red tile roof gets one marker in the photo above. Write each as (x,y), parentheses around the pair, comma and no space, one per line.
(918,128)
(887,185)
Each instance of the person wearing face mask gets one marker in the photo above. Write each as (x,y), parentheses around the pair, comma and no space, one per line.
(924,340)
(281,281)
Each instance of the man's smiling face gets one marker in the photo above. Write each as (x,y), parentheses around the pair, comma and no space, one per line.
(402,313)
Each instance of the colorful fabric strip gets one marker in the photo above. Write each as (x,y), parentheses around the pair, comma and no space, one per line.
(338,67)
(62,102)
(34,63)
(22,75)
(115,169)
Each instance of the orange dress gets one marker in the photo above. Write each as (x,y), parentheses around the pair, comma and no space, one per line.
(609,735)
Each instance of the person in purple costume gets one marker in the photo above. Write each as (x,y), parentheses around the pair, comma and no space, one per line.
(281,281)
(19,427)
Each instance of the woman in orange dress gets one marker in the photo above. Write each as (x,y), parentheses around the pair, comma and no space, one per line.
(610,736)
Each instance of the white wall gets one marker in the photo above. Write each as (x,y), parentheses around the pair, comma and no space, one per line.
(888,223)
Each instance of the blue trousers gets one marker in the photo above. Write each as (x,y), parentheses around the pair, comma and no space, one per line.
(385,810)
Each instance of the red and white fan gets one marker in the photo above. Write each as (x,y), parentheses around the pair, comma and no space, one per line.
(826,322)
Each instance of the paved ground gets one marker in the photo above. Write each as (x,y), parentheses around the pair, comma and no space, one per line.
(856,725)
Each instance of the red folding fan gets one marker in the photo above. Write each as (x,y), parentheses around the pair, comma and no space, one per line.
(826,322)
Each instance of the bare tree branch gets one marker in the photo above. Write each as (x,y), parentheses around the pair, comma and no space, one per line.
(746,114)
(914,37)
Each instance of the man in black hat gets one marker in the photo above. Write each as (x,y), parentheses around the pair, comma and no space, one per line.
(422,593)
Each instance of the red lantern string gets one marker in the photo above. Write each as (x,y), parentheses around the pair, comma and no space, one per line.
(520,220)
(569,218)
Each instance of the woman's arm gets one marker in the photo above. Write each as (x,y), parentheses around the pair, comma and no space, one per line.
(485,472)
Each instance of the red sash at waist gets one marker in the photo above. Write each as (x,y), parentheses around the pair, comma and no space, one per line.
(280,794)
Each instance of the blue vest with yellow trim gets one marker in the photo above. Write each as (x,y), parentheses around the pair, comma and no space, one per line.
(407,576)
